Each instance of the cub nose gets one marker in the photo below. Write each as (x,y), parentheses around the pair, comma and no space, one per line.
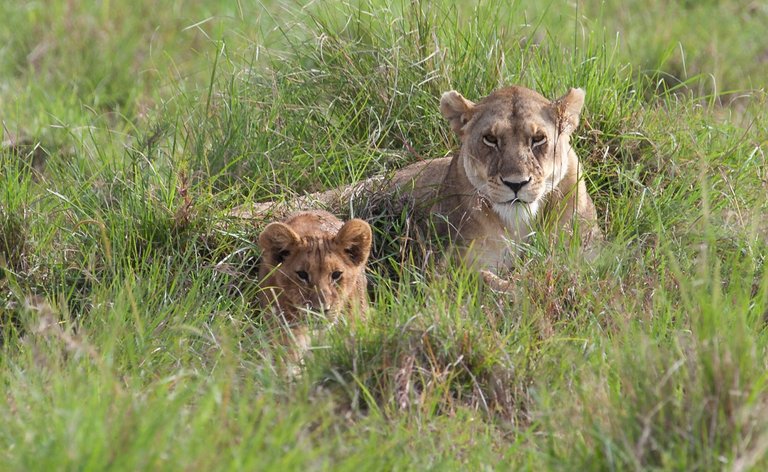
(325,302)
(516,186)
(318,306)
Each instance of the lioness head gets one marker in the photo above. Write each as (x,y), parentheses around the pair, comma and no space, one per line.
(515,143)
(312,261)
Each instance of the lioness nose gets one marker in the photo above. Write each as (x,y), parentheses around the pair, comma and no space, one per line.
(516,186)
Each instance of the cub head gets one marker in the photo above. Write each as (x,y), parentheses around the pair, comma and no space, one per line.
(514,143)
(308,262)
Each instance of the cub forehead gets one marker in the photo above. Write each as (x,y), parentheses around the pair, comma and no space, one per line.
(320,264)
(316,223)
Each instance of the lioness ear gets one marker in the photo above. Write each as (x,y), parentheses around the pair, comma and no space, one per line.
(456,109)
(568,108)
(276,242)
(355,240)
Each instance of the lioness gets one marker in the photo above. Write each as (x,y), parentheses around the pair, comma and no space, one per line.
(312,261)
(515,163)
(515,168)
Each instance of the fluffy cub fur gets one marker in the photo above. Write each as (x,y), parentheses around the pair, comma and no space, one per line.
(311,261)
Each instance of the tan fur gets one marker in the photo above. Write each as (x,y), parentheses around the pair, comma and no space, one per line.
(311,261)
(512,135)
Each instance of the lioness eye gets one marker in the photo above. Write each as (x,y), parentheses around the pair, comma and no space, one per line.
(490,140)
(336,275)
(303,275)
(537,141)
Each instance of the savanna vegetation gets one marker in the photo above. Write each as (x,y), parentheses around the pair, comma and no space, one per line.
(129,335)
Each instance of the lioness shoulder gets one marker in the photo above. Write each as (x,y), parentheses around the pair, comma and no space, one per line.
(311,260)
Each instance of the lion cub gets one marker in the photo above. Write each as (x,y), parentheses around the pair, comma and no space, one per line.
(311,261)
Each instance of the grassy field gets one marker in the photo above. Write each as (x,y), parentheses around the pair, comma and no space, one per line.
(129,336)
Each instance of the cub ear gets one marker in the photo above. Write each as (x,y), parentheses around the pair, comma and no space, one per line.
(457,110)
(568,108)
(276,242)
(354,238)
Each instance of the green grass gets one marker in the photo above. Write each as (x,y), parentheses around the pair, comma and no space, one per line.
(129,334)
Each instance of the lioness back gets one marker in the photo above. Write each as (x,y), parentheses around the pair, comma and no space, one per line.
(311,260)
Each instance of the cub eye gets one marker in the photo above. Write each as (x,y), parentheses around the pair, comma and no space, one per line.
(538,140)
(336,275)
(302,274)
(490,140)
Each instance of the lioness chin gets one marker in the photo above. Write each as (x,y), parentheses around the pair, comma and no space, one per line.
(514,173)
